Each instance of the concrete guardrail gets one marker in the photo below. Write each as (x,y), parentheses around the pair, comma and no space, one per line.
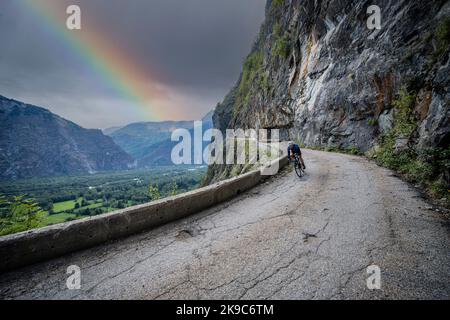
(29,247)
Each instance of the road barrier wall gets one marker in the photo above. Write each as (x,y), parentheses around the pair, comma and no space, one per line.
(29,247)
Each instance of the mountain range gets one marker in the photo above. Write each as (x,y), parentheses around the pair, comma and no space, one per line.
(136,138)
(150,142)
(35,142)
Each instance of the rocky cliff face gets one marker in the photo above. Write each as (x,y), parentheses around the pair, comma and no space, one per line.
(35,142)
(320,75)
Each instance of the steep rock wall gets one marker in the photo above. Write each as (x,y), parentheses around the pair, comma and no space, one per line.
(321,76)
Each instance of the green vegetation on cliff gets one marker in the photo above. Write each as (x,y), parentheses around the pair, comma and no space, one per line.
(442,35)
(253,78)
(277,3)
(428,167)
(281,47)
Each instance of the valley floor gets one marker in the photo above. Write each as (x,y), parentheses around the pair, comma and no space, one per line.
(290,238)
(68,198)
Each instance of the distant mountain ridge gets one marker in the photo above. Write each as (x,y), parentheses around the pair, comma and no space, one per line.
(136,138)
(150,142)
(35,142)
(110,130)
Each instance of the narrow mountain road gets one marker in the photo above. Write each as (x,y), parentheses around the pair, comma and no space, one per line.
(289,238)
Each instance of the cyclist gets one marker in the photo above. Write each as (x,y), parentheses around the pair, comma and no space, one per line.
(294,149)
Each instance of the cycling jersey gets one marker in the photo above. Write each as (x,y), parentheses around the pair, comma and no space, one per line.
(295,150)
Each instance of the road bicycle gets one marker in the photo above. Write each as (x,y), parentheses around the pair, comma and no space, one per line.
(298,166)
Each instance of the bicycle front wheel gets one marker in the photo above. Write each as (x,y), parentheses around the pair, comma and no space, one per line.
(299,170)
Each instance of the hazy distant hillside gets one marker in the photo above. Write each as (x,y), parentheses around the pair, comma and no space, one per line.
(35,142)
(109,131)
(136,138)
(149,142)
(160,153)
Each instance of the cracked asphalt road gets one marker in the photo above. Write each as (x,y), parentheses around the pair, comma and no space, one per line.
(289,238)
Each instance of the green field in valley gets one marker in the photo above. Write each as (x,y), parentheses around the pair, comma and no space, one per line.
(74,197)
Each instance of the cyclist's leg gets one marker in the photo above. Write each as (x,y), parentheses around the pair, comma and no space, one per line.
(301,161)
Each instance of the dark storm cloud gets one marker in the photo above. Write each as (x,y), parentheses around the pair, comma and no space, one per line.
(195,47)
(198,41)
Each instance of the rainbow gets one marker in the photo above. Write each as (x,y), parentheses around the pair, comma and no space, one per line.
(112,63)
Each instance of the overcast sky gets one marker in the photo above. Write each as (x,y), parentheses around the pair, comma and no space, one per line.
(194,49)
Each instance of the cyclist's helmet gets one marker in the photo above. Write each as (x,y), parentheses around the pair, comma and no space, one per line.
(291,143)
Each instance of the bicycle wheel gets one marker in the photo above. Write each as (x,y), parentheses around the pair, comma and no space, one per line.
(299,170)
